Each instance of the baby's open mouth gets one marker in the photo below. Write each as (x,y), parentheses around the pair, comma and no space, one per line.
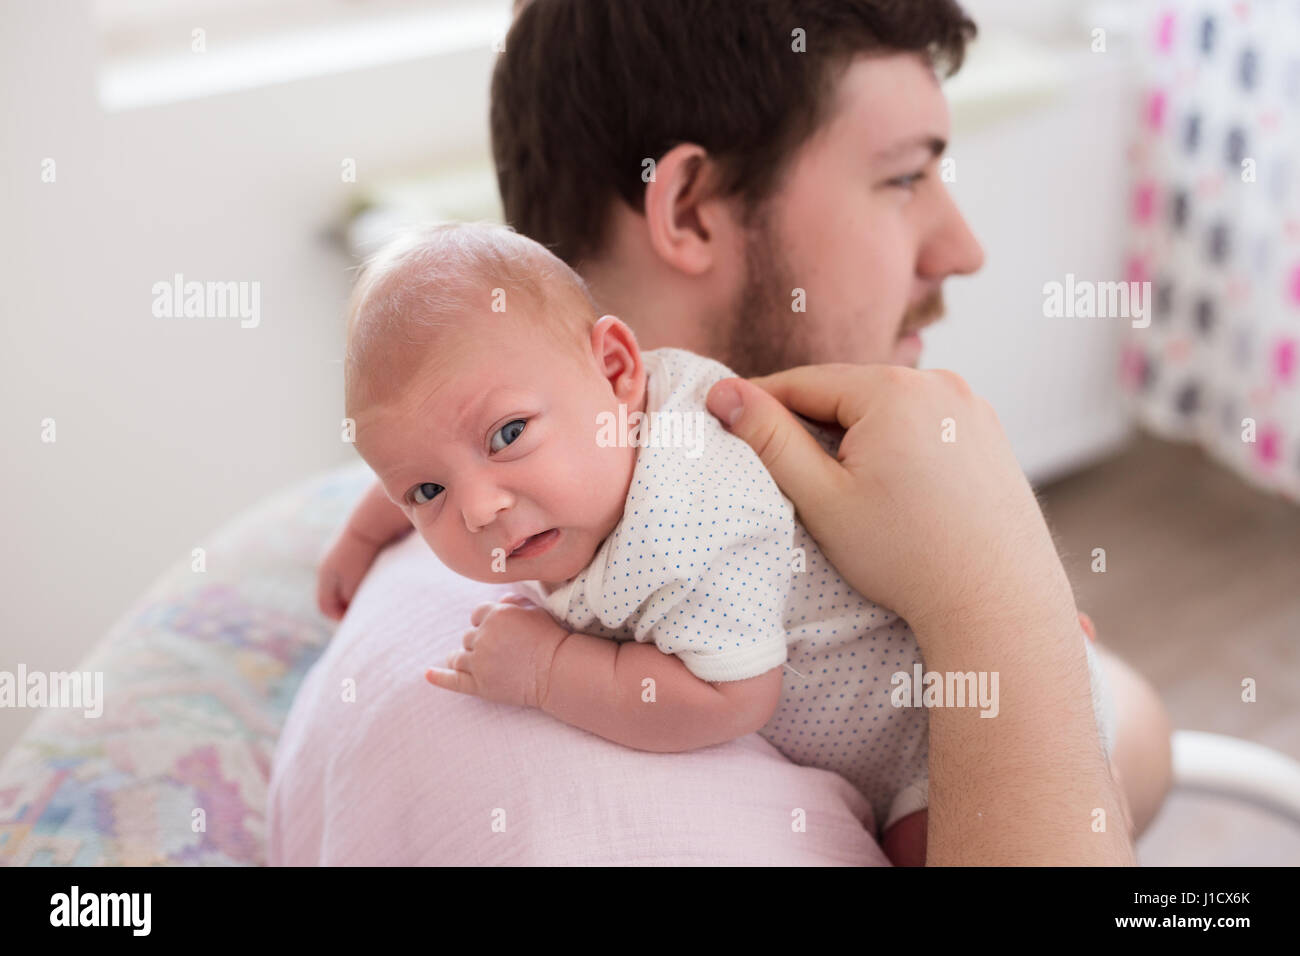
(537,544)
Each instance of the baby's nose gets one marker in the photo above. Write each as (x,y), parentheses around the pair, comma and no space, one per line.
(482,506)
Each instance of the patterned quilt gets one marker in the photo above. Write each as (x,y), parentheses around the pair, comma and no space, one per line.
(1215,215)
(197,681)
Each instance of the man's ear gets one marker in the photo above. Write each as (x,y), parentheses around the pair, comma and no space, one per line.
(686,221)
(615,347)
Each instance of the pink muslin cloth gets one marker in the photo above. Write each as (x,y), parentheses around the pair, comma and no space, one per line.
(377,767)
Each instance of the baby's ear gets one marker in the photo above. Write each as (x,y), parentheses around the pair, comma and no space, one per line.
(610,321)
(616,351)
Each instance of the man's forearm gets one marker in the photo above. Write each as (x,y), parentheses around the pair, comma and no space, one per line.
(636,695)
(1022,788)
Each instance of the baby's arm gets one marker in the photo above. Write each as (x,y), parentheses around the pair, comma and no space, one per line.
(604,687)
(633,694)
(373,525)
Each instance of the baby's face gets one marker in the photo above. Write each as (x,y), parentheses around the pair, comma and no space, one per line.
(493,455)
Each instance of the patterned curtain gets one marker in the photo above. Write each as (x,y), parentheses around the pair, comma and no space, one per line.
(1216,230)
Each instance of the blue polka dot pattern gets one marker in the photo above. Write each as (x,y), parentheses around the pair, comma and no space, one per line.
(709,562)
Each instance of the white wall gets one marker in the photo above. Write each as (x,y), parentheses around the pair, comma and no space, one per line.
(168,427)
(1044,187)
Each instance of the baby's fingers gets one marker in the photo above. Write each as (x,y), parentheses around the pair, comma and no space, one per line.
(328,599)
(459,681)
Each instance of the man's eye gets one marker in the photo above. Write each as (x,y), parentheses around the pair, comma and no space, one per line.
(508,433)
(423,494)
(908,181)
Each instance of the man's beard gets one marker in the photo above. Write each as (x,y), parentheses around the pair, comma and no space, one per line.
(764,334)
(928,310)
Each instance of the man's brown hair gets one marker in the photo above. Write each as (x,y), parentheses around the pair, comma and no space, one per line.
(587,90)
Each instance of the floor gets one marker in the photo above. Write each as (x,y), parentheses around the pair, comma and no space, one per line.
(1201,590)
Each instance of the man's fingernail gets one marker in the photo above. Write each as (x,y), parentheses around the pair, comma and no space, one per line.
(724,402)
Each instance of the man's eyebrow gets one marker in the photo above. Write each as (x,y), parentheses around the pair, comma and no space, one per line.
(935,144)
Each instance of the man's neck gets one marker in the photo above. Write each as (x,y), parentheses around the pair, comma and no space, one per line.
(655,310)
(664,308)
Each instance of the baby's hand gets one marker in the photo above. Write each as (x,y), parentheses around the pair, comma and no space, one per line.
(341,571)
(507,657)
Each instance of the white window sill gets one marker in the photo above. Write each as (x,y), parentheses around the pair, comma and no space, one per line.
(1004,74)
(160,78)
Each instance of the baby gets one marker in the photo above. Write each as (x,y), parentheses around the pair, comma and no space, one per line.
(671,600)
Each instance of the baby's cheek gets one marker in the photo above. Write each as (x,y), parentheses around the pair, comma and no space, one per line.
(587,469)
(433,544)
(454,558)
(609,494)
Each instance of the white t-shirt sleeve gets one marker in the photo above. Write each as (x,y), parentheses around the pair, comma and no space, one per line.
(1103,705)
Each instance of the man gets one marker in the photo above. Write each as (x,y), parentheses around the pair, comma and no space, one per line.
(756,181)
(706,172)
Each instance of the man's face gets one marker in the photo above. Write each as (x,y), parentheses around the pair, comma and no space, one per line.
(862,224)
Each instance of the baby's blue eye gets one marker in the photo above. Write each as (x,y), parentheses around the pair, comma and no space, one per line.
(510,429)
(423,494)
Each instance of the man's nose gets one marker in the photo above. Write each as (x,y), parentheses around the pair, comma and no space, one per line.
(951,248)
(482,503)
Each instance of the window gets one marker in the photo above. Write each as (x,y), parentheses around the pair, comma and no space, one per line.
(163,51)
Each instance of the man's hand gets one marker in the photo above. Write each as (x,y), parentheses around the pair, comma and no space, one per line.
(507,656)
(925,473)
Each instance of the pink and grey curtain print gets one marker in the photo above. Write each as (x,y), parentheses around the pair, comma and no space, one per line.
(1216,230)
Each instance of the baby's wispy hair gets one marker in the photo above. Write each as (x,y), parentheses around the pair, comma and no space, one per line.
(446,276)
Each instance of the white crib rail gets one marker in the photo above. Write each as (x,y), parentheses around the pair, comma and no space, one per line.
(1227,766)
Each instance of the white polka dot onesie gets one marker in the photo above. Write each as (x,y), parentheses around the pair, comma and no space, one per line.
(709,563)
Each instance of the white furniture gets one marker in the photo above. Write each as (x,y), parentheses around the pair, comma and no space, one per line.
(1245,771)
